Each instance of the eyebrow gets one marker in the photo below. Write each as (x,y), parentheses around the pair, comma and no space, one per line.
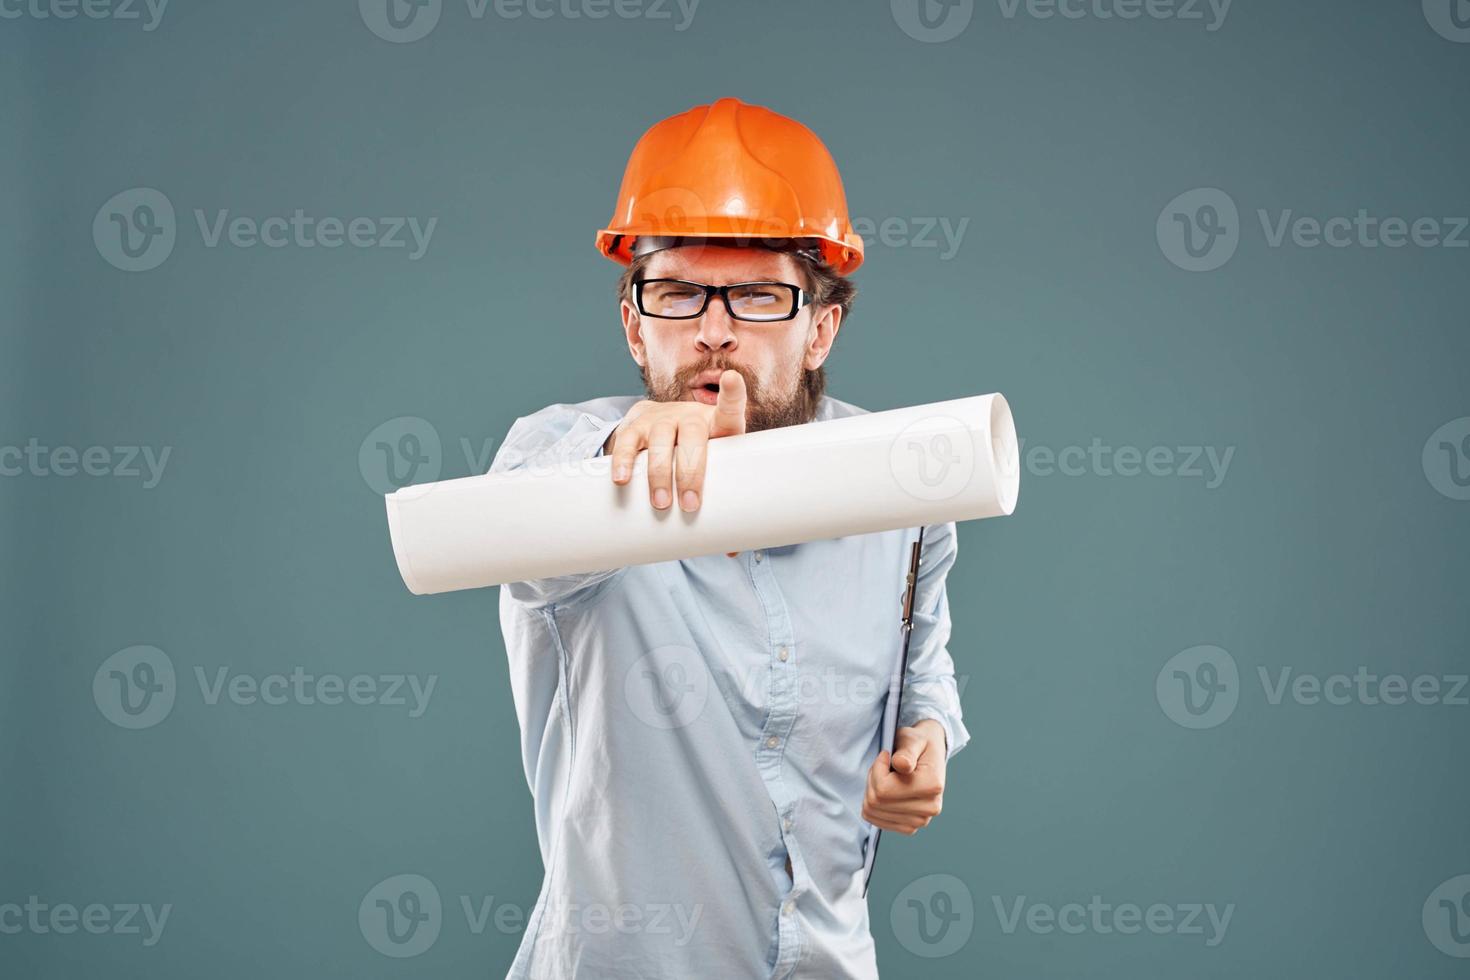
(692,277)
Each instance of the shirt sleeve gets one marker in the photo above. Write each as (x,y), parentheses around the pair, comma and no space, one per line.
(929,685)
(556,434)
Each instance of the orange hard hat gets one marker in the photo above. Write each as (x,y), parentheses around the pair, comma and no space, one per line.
(737,172)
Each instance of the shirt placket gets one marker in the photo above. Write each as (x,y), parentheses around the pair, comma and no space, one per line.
(770,754)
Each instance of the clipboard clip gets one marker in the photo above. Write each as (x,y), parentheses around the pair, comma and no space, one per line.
(905,627)
(911,582)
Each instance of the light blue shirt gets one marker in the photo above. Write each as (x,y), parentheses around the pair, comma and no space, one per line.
(688,726)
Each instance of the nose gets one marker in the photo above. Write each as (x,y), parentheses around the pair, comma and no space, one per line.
(716,330)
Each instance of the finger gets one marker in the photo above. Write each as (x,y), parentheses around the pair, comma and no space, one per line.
(875,771)
(902,823)
(884,824)
(878,769)
(903,792)
(899,825)
(927,807)
(729,405)
(690,453)
(661,463)
(913,815)
(894,786)
(626,444)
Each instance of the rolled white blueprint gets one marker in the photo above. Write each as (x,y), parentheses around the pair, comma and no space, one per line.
(947,461)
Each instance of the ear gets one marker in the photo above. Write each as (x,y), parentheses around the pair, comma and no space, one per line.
(825,324)
(633,329)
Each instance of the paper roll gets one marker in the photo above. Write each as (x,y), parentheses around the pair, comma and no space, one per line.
(947,461)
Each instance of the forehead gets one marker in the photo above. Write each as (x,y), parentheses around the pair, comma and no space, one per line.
(718,265)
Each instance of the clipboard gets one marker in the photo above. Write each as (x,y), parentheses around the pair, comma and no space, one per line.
(894,703)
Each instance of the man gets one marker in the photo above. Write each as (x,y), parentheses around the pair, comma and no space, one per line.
(701,736)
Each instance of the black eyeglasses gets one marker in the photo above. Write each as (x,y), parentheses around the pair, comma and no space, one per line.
(679,299)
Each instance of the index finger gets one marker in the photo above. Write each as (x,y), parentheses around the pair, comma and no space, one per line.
(729,405)
(626,445)
(897,787)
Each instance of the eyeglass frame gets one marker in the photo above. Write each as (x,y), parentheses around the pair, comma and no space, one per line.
(800,298)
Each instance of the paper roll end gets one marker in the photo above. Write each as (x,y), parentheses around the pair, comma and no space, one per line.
(1005,455)
(400,551)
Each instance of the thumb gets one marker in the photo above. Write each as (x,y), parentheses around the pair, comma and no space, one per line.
(729,405)
(908,746)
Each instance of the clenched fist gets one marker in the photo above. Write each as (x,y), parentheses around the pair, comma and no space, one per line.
(685,428)
(906,791)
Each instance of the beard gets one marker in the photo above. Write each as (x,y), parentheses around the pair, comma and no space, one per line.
(789,400)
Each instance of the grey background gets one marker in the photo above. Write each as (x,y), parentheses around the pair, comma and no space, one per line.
(1325,547)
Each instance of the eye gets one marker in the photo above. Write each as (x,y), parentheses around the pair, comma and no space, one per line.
(671,291)
(759,292)
(760,300)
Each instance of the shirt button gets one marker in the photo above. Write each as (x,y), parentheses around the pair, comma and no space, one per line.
(782,654)
(788,907)
(759,555)
(786,823)
(772,742)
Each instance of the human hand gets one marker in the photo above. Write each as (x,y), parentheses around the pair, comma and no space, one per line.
(664,428)
(905,791)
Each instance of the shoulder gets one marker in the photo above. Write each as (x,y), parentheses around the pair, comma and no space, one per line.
(542,429)
(564,415)
(555,421)
(835,408)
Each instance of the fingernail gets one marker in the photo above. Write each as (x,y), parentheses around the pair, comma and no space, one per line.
(621,473)
(660,498)
(691,500)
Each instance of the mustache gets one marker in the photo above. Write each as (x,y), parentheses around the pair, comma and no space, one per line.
(764,408)
(684,377)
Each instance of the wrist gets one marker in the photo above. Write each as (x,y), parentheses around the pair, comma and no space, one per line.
(934,731)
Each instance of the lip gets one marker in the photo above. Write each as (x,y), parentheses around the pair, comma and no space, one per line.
(699,392)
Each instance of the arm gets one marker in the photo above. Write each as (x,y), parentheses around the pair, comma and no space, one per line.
(906,791)
(930,691)
(555,435)
(541,440)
